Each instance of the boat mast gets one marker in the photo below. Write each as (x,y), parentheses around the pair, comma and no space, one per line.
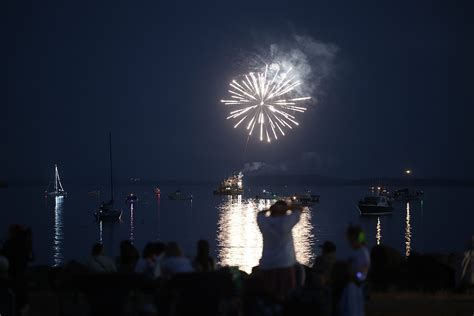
(111,179)
(55,178)
(57,181)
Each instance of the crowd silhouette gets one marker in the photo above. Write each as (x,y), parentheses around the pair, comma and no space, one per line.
(164,281)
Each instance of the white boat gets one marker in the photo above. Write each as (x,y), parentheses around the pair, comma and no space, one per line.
(233,185)
(58,187)
(106,211)
(375,205)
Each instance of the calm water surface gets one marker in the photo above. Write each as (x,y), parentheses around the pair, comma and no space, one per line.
(64,228)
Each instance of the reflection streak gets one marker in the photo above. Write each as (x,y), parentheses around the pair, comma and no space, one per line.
(239,239)
(378,235)
(58,255)
(132,228)
(408,231)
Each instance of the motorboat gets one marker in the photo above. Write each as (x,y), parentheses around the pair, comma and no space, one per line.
(106,212)
(407,195)
(375,205)
(179,196)
(233,185)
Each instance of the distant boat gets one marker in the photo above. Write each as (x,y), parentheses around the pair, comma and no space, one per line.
(233,185)
(157,191)
(407,195)
(178,196)
(267,195)
(306,199)
(94,193)
(106,211)
(375,205)
(381,191)
(58,187)
(131,198)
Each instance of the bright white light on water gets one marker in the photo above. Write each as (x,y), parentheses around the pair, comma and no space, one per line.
(266,99)
(239,239)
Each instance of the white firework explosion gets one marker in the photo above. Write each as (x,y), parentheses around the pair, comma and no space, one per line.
(267,100)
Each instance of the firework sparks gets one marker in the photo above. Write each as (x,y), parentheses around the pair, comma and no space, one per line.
(266,101)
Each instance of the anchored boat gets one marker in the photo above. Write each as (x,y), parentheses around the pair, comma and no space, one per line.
(375,205)
(58,187)
(233,185)
(106,211)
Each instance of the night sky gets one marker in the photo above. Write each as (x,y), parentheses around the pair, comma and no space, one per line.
(399,93)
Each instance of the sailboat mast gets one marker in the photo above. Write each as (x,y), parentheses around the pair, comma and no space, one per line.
(55,178)
(111,179)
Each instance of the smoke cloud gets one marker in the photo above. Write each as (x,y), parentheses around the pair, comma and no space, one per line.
(311,60)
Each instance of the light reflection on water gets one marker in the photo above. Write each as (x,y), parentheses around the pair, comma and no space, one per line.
(58,256)
(408,231)
(132,227)
(239,239)
(378,235)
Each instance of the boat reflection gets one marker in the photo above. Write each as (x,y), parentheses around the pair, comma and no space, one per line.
(101,231)
(132,227)
(58,256)
(408,231)
(239,240)
(378,235)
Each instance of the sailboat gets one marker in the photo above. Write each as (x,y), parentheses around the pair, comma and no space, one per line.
(58,187)
(106,211)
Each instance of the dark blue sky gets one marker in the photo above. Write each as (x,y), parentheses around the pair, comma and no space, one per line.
(399,94)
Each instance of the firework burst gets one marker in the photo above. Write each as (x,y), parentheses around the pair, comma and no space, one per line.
(266,101)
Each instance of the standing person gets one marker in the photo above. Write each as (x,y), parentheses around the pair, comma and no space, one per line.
(324,263)
(203,261)
(99,263)
(277,264)
(352,302)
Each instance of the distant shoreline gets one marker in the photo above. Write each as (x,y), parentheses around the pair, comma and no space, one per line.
(285,180)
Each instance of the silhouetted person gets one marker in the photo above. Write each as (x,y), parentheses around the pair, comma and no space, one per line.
(277,264)
(99,263)
(174,261)
(149,263)
(323,264)
(18,250)
(203,261)
(128,257)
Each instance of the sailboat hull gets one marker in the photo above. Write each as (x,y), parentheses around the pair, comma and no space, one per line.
(57,193)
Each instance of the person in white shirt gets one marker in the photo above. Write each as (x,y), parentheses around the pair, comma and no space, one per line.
(99,263)
(277,264)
